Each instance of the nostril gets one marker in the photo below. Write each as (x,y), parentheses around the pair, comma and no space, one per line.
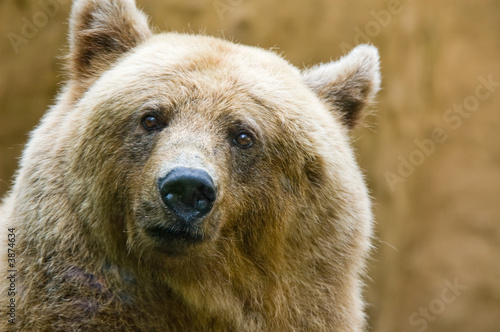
(201,204)
(189,193)
(171,198)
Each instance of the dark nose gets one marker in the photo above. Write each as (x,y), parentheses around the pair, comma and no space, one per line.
(188,192)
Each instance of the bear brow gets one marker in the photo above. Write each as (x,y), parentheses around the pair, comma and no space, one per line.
(151,104)
(230,118)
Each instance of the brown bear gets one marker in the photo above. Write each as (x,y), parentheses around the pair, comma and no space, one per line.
(188,183)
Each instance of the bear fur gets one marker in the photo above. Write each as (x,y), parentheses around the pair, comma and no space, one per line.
(284,245)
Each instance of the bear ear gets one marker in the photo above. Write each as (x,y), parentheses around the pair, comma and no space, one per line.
(348,85)
(101,31)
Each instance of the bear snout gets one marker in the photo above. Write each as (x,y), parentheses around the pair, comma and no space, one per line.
(188,192)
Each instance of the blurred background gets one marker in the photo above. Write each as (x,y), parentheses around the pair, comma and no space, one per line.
(431,152)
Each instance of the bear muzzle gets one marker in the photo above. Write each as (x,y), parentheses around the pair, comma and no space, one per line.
(189,193)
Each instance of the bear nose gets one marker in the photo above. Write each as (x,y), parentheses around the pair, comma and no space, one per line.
(188,192)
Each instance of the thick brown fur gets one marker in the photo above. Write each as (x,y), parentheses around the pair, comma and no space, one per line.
(285,243)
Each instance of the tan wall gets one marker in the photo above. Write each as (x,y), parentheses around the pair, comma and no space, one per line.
(439,225)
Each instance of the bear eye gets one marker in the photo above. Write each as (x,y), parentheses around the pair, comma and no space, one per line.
(151,122)
(244,140)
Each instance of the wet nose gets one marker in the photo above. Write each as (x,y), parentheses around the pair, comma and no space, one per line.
(189,193)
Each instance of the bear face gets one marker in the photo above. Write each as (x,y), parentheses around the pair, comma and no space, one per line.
(195,175)
(202,98)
